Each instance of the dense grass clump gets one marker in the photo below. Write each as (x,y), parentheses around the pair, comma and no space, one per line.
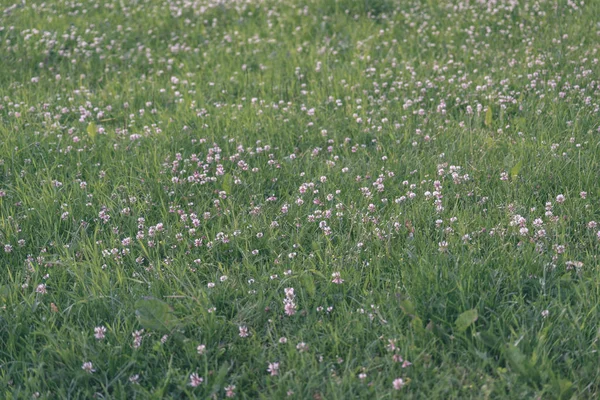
(301,199)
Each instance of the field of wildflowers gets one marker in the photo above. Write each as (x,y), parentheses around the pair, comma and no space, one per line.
(299,199)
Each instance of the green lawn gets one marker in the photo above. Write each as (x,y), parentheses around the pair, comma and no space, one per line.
(303,199)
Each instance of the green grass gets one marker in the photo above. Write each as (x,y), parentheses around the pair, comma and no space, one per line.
(169,168)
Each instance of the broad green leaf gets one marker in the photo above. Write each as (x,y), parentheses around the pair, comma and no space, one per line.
(565,386)
(542,336)
(408,307)
(308,284)
(155,315)
(466,319)
(520,122)
(5,291)
(318,273)
(566,278)
(517,360)
(489,116)
(417,325)
(514,171)
(219,380)
(91,130)
(534,357)
(315,246)
(489,339)
(227,182)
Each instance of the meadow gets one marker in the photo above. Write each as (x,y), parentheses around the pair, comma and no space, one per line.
(299,199)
